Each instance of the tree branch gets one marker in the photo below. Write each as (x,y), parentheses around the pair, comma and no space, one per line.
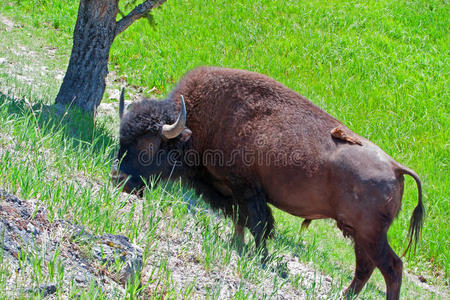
(137,13)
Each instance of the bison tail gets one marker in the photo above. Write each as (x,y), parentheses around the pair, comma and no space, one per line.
(416,221)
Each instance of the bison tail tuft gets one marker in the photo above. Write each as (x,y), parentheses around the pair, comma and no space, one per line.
(416,222)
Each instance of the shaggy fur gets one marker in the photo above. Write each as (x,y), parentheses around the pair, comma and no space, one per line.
(245,109)
(146,116)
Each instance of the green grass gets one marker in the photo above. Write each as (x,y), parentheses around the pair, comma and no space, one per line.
(381,67)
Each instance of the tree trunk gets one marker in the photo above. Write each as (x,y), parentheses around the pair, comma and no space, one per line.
(95,30)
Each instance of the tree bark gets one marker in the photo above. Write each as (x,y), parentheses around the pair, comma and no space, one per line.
(95,30)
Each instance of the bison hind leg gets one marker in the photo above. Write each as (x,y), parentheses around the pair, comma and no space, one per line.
(363,271)
(376,252)
(390,265)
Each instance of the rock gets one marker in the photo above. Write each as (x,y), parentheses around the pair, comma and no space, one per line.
(5,196)
(114,94)
(7,22)
(117,251)
(108,261)
(59,77)
(33,230)
(80,278)
(111,250)
(44,290)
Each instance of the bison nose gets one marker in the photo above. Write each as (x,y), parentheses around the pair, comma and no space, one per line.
(114,172)
(120,180)
(118,177)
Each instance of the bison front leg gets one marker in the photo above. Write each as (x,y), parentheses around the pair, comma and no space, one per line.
(238,235)
(238,239)
(260,220)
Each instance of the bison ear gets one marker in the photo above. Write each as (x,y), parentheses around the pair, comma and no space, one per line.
(185,135)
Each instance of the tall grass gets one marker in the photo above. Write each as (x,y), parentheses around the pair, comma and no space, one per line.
(379,66)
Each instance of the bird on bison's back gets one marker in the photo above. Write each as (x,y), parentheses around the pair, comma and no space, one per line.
(243,140)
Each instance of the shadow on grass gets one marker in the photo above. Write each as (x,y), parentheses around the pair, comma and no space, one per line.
(78,129)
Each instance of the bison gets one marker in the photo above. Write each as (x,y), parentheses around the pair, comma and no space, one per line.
(244,140)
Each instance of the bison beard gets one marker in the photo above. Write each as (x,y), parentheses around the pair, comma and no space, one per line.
(276,147)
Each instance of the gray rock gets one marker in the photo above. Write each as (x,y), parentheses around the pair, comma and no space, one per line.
(5,196)
(117,251)
(33,230)
(44,290)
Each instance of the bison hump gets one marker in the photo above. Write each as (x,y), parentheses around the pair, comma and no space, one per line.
(344,134)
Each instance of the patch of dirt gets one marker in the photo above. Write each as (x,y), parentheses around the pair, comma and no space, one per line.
(181,253)
(7,22)
(27,67)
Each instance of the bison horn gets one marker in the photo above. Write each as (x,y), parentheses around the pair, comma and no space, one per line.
(122,103)
(174,130)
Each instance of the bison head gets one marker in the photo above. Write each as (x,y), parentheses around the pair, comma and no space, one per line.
(152,137)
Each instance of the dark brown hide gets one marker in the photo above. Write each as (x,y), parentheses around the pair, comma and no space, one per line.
(277,147)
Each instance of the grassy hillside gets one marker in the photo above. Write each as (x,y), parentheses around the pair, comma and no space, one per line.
(381,67)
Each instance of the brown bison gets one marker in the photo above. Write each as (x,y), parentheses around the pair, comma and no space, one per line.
(244,140)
